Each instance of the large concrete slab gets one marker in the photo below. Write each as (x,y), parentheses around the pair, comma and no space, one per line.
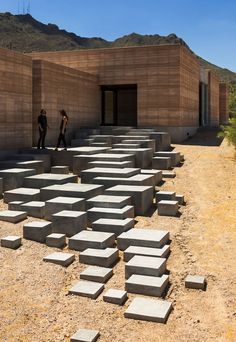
(34,208)
(142,237)
(152,310)
(60,203)
(37,230)
(147,143)
(96,213)
(99,257)
(14,178)
(131,251)
(71,190)
(97,274)
(106,201)
(69,222)
(145,265)
(115,226)
(147,285)
(89,289)
(47,179)
(89,239)
(21,194)
(89,174)
(142,196)
(60,258)
(12,216)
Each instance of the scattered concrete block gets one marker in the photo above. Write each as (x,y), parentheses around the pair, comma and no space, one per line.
(161,163)
(97,274)
(174,156)
(14,178)
(69,222)
(89,289)
(124,145)
(115,296)
(195,282)
(142,237)
(147,285)
(85,335)
(142,196)
(168,208)
(12,242)
(180,199)
(89,239)
(37,230)
(47,179)
(99,257)
(110,164)
(156,173)
(89,174)
(70,190)
(56,240)
(165,196)
(168,174)
(12,216)
(60,170)
(59,258)
(34,208)
(115,226)
(131,251)
(145,143)
(149,310)
(34,154)
(15,205)
(57,204)
(37,165)
(144,265)
(143,156)
(96,213)
(106,201)
(21,194)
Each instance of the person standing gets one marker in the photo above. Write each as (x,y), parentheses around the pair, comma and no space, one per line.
(64,121)
(43,126)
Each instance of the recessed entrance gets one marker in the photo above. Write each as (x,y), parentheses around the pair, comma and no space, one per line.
(119,105)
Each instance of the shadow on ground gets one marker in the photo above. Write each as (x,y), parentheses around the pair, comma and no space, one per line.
(205,137)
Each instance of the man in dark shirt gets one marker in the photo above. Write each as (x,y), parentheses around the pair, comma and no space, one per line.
(43,125)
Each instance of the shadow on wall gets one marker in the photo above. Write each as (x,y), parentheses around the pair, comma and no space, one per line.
(205,137)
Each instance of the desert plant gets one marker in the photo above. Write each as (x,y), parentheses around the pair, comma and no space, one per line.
(229,131)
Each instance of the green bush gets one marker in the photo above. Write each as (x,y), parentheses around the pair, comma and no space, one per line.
(229,131)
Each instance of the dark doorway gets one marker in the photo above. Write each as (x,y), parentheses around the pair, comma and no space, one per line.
(119,105)
(203,104)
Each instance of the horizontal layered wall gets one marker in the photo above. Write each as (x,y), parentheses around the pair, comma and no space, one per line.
(213,91)
(15,100)
(224,103)
(57,87)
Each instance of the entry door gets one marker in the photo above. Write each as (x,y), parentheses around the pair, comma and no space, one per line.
(109,108)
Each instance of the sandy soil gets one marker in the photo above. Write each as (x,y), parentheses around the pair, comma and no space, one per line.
(35,306)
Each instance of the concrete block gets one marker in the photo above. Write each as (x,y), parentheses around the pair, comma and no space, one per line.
(99,257)
(111,164)
(12,242)
(56,240)
(14,178)
(142,196)
(147,285)
(168,208)
(37,165)
(37,230)
(85,335)
(195,282)
(165,196)
(71,190)
(60,258)
(96,213)
(47,179)
(143,156)
(115,296)
(145,265)
(142,237)
(168,174)
(15,205)
(34,208)
(89,239)
(89,289)
(115,226)
(180,199)
(161,163)
(151,310)
(106,201)
(12,216)
(60,170)
(97,274)
(145,143)
(69,222)
(21,194)
(126,145)
(174,156)
(131,251)
(89,174)
(156,173)
(34,154)
(58,204)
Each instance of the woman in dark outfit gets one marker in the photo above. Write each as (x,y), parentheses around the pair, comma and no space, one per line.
(43,126)
(63,125)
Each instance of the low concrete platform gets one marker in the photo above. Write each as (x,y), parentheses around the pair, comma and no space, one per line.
(168,208)
(139,180)
(180,199)
(85,335)
(156,173)
(56,240)
(143,237)
(174,156)
(47,179)
(60,169)
(143,156)
(12,216)
(168,174)
(37,230)
(145,265)
(99,257)
(21,194)
(34,208)
(195,282)
(165,196)
(69,222)
(115,296)
(37,165)
(15,205)
(14,178)
(161,163)
(147,285)
(152,310)
(89,289)
(106,201)
(60,258)
(89,174)
(90,239)
(60,203)
(96,213)
(111,164)
(97,274)
(131,251)
(12,242)
(115,226)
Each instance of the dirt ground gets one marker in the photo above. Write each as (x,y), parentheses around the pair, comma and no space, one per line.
(35,306)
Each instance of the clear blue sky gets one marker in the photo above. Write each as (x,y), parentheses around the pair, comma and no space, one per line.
(208,26)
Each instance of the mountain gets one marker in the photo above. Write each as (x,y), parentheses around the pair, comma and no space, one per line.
(25,34)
